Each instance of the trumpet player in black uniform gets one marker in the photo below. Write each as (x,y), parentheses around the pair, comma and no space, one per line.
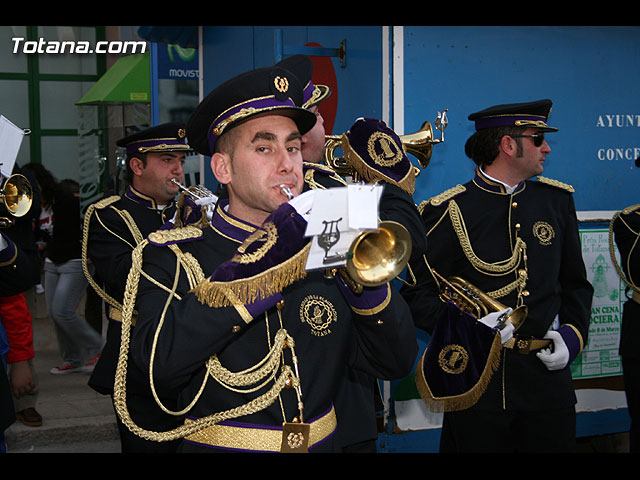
(256,346)
(625,232)
(112,228)
(516,240)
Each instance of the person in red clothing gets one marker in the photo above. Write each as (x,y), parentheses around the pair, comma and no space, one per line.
(17,321)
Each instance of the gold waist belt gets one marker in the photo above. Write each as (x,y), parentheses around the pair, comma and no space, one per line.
(525,345)
(259,438)
(636,296)
(116,315)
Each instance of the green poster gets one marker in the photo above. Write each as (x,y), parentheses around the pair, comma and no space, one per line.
(600,356)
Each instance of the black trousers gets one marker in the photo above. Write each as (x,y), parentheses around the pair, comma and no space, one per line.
(631,376)
(471,431)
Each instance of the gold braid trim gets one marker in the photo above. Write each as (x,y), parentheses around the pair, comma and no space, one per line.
(444,196)
(309,175)
(498,268)
(557,184)
(628,281)
(518,284)
(104,203)
(213,367)
(247,290)
(464,400)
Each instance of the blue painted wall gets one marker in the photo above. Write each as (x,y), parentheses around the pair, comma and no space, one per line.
(230,50)
(588,72)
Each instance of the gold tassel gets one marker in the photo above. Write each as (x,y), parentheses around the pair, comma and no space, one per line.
(262,285)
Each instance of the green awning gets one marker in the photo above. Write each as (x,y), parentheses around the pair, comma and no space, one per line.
(127,81)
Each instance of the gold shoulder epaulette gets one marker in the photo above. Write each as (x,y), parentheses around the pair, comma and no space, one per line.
(318,166)
(447,195)
(556,183)
(310,170)
(168,237)
(630,209)
(105,202)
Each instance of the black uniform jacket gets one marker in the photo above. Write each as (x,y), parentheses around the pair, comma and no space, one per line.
(110,241)
(358,401)
(330,336)
(542,214)
(626,229)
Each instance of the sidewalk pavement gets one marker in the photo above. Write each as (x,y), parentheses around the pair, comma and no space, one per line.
(72,413)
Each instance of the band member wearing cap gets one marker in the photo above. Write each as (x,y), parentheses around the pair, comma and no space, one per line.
(257,345)
(625,231)
(313,94)
(359,398)
(113,227)
(515,239)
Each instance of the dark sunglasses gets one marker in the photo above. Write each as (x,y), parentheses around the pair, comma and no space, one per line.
(538,138)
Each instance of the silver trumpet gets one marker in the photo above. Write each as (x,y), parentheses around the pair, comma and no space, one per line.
(201,195)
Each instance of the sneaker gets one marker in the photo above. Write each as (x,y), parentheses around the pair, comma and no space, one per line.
(91,364)
(39,288)
(65,368)
(30,417)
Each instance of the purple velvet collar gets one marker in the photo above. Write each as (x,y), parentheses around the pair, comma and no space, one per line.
(229,226)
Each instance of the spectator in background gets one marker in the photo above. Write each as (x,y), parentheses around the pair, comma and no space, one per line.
(16,318)
(65,284)
(44,227)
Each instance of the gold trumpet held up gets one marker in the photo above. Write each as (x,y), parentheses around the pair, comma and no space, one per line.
(17,196)
(419,144)
(376,257)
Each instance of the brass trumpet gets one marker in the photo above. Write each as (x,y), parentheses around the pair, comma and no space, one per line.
(17,196)
(474,301)
(419,144)
(377,257)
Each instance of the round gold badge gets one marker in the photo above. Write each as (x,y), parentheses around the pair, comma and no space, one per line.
(383,150)
(453,359)
(319,313)
(543,232)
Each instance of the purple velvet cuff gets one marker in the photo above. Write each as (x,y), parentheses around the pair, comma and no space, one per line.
(190,213)
(260,306)
(572,340)
(7,254)
(371,298)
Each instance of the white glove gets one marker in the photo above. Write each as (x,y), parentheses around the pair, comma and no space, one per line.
(496,320)
(303,203)
(559,357)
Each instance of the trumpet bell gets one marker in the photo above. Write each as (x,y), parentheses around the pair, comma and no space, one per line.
(17,195)
(420,144)
(379,256)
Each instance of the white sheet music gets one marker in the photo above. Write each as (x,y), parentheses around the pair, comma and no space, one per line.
(10,141)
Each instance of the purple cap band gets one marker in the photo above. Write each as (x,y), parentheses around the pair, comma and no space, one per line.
(244,110)
(156,144)
(506,121)
(308,92)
